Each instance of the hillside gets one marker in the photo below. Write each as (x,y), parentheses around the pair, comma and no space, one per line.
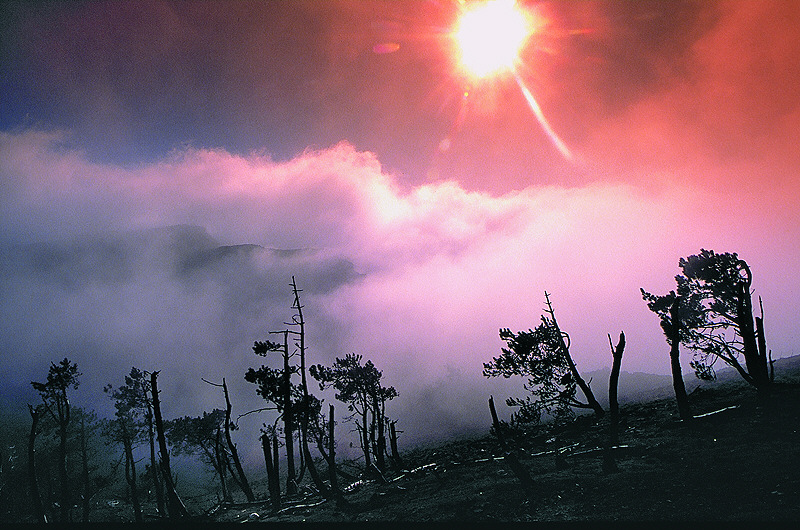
(738,463)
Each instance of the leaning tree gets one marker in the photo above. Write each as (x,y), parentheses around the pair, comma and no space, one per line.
(542,355)
(717,319)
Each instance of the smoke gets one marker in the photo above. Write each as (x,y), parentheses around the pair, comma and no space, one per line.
(181,264)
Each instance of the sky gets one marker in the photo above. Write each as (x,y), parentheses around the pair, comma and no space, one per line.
(420,209)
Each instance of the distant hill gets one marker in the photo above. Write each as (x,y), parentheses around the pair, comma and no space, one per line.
(640,386)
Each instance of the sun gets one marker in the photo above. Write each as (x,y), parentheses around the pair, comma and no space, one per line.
(490,35)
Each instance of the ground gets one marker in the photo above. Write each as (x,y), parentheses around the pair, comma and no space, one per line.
(739,464)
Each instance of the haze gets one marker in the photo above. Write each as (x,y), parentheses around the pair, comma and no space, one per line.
(336,141)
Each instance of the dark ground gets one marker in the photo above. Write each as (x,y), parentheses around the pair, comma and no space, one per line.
(740,464)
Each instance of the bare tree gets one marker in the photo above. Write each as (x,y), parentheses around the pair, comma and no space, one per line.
(613,384)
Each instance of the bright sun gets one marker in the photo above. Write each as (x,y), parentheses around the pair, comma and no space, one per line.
(490,35)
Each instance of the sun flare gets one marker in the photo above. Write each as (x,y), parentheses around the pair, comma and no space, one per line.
(490,35)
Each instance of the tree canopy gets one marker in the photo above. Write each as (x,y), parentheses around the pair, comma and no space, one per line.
(716,315)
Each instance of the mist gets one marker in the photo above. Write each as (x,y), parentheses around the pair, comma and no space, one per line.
(181,264)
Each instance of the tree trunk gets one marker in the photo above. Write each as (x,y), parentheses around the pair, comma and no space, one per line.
(365,442)
(37,500)
(85,472)
(675,362)
(585,388)
(220,467)
(398,462)
(273,482)
(130,470)
(306,453)
(176,506)
(613,384)
(763,354)
(510,456)
(755,363)
(380,442)
(288,429)
(248,492)
(62,470)
(157,486)
(276,460)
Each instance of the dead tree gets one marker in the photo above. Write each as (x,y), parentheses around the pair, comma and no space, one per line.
(613,385)
(336,493)
(583,385)
(176,508)
(609,464)
(398,462)
(299,321)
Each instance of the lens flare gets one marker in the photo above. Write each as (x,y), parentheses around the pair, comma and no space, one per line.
(537,111)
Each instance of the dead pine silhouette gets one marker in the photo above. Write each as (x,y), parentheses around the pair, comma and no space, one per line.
(609,463)
(230,448)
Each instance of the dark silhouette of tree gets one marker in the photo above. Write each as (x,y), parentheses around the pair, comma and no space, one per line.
(91,482)
(295,405)
(360,387)
(613,384)
(275,386)
(202,435)
(230,448)
(126,430)
(176,508)
(269,443)
(135,396)
(308,402)
(679,316)
(542,355)
(60,378)
(36,414)
(717,316)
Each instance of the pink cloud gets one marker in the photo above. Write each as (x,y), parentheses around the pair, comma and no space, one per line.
(442,268)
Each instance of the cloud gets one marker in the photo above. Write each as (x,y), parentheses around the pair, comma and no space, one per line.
(724,112)
(417,278)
